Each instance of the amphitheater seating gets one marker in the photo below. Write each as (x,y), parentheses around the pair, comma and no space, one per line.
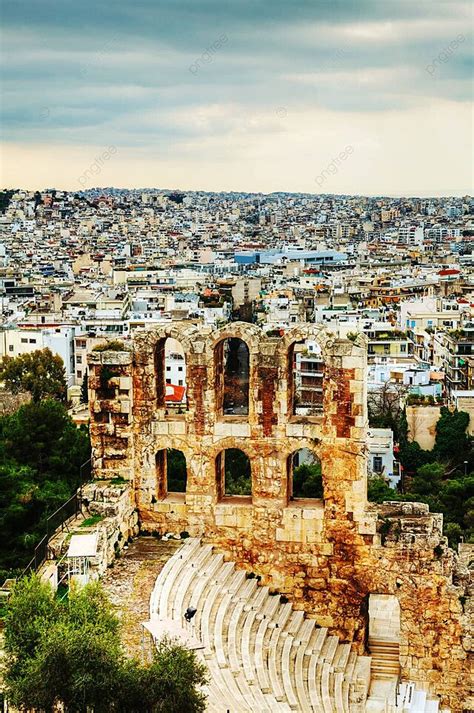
(263,656)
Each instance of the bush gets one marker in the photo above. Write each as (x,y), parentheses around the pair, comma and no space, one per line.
(115,345)
(308,481)
(41,452)
(71,655)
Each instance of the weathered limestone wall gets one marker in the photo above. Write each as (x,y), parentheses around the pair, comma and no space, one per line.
(113,502)
(111,401)
(327,555)
(422,422)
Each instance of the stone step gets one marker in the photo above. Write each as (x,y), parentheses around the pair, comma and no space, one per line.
(264,656)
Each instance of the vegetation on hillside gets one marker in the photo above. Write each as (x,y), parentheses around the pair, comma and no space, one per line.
(238,477)
(41,373)
(308,481)
(442,477)
(41,452)
(70,654)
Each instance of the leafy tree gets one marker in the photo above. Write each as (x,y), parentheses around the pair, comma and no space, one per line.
(43,436)
(5,198)
(452,442)
(378,490)
(40,372)
(413,457)
(238,479)
(428,478)
(85,389)
(308,481)
(32,607)
(176,471)
(41,452)
(176,197)
(453,532)
(155,687)
(71,655)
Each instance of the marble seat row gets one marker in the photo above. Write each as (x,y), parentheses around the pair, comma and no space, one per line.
(262,655)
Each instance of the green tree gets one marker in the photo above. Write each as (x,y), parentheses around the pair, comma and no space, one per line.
(71,654)
(308,481)
(85,389)
(428,479)
(378,490)
(238,479)
(452,442)
(41,452)
(41,373)
(413,457)
(43,436)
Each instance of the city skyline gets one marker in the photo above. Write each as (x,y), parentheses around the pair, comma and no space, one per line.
(250,98)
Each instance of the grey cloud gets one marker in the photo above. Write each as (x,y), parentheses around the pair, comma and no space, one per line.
(98,66)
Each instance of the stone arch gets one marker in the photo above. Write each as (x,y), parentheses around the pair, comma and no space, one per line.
(232,376)
(149,358)
(251,336)
(306,331)
(233,471)
(171,470)
(249,333)
(219,448)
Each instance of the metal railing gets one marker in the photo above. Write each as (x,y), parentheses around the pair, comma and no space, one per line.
(59,519)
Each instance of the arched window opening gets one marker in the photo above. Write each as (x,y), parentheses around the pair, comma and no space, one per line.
(232,377)
(304,475)
(306,375)
(171,472)
(176,471)
(170,370)
(233,472)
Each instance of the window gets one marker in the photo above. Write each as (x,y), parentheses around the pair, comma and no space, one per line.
(171,472)
(377,464)
(10,347)
(232,368)
(79,359)
(79,373)
(306,373)
(233,473)
(167,351)
(32,341)
(304,473)
(24,340)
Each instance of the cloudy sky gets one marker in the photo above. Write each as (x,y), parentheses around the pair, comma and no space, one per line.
(252,95)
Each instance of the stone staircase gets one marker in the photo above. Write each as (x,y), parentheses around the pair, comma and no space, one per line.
(265,657)
(385,656)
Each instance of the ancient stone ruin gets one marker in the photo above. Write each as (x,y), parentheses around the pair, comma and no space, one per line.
(260,395)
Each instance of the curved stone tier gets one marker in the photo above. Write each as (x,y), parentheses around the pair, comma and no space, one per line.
(262,654)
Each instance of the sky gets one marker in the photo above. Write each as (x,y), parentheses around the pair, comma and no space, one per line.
(366,97)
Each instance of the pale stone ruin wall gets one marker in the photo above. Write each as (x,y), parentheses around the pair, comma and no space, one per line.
(422,422)
(326,555)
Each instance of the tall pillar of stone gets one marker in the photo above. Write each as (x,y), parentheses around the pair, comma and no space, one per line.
(110,405)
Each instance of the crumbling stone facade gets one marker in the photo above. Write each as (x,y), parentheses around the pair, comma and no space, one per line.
(326,555)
